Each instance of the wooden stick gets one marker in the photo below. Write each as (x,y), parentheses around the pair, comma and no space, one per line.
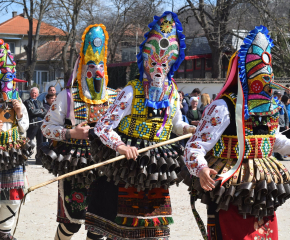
(107,162)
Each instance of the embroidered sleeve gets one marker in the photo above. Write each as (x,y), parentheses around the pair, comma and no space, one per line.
(210,128)
(53,122)
(23,123)
(282,144)
(179,126)
(111,119)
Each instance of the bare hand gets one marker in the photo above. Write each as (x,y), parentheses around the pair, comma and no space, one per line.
(128,151)
(80,131)
(17,108)
(195,123)
(1,125)
(191,130)
(206,182)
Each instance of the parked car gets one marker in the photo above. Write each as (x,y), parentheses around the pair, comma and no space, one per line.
(24,94)
(41,96)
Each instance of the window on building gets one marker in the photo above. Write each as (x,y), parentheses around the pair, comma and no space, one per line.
(39,77)
(208,64)
(197,64)
(189,65)
(12,47)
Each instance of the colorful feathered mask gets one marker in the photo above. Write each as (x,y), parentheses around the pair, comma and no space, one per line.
(92,70)
(7,73)
(256,73)
(160,56)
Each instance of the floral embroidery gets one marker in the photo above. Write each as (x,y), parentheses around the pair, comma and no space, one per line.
(56,133)
(123,105)
(53,107)
(214,121)
(263,229)
(195,145)
(114,117)
(205,137)
(47,118)
(77,201)
(48,132)
(78,197)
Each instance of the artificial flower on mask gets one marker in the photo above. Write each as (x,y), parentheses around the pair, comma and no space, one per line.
(92,70)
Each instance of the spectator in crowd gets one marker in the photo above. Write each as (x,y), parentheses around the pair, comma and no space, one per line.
(183,103)
(50,97)
(193,115)
(283,120)
(287,92)
(195,93)
(36,112)
(205,101)
(286,101)
(51,90)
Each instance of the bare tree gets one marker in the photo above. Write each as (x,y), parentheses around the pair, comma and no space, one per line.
(213,17)
(65,14)
(33,8)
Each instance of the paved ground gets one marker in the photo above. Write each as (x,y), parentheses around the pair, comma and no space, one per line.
(37,218)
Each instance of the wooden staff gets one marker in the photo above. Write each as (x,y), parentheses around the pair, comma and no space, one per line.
(107,162)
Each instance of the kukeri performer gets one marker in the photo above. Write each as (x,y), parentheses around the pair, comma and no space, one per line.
(14,148)
(231,151)
(134,201)
(67,123)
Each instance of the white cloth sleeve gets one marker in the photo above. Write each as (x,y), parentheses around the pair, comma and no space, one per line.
(111,119)
(53,122)
(215,120)
(179,126)
(282,144)
(23,123)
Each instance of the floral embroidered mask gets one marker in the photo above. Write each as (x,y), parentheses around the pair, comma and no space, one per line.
(92,71)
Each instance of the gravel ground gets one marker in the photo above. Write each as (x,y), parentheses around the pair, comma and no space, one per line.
(38,216)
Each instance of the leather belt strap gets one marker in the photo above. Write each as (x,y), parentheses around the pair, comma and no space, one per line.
(250,175)
(256,147)
(219,166)
(236,176)
(227,166)
(276,170)
(244,167)
(273,173)
(285,170)
(260,169)
(268,175)
(211,161)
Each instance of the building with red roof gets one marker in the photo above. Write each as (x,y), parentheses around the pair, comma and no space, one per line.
(14,31)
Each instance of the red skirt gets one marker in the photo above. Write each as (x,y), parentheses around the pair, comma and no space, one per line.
(234,227)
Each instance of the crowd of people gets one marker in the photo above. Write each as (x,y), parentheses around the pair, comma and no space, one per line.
(189,102)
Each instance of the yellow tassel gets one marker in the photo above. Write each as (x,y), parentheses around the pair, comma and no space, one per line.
(146,223)
(125,221)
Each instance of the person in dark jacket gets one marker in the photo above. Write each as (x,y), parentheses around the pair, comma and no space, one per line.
(36,112)
(183,103)
(193,115)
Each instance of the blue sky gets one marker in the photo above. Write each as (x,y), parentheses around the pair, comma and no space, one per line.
(4,16)
(7,15)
